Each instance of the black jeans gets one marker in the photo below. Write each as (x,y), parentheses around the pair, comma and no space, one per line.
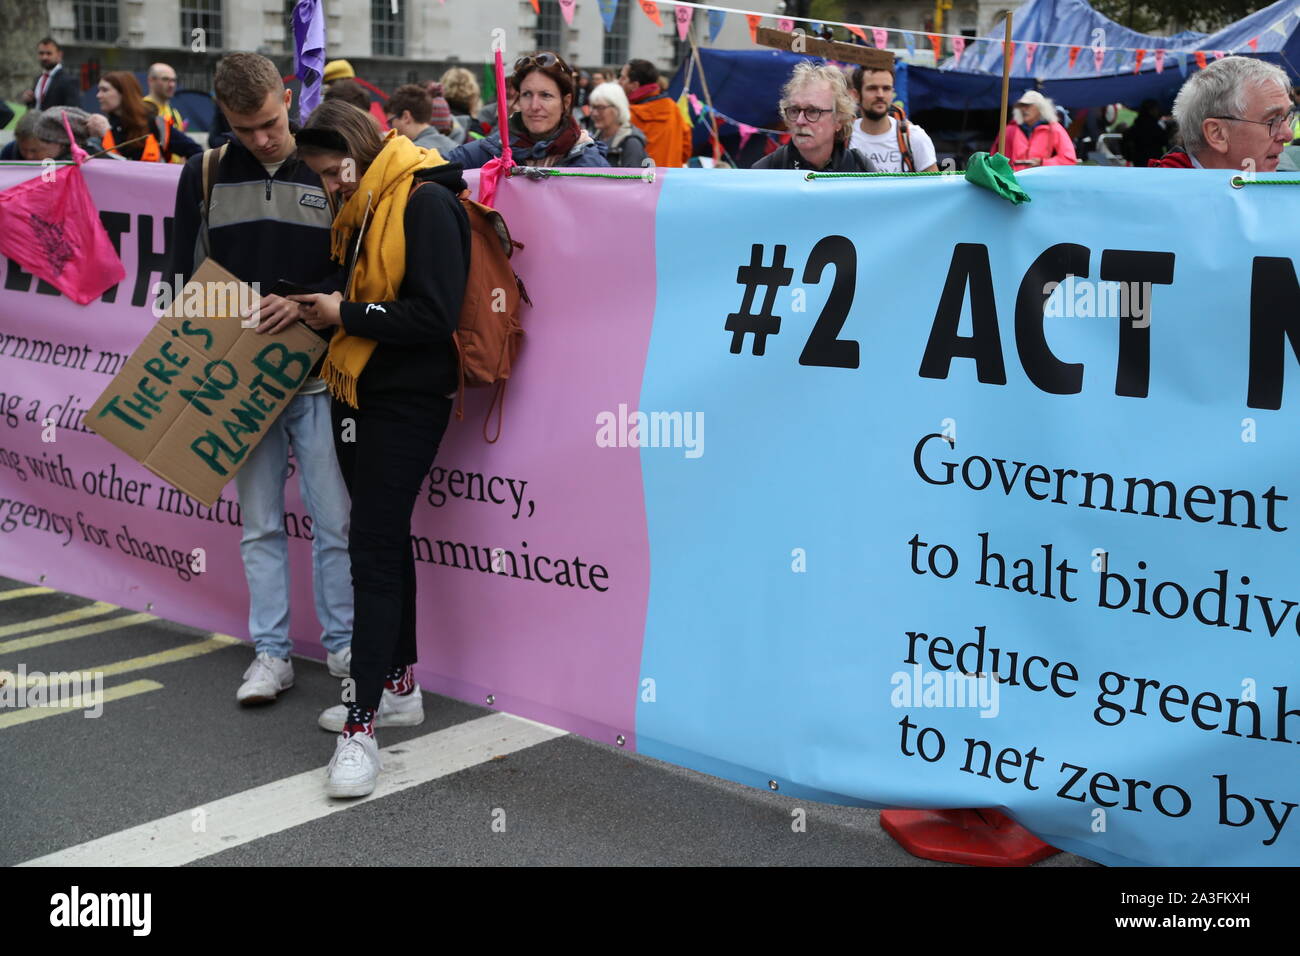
(392,449)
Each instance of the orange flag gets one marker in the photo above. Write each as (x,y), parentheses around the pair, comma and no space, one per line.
(754,20)
(536,8)
(937,43)
(1200,59)
(1074,55)
(858,31)
(651,10)
(1137,67)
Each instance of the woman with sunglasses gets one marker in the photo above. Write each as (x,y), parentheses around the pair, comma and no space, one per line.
(543,132)
(391,366)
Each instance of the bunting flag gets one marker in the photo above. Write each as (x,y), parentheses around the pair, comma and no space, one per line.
(937,43)
(716,19)
(608,9)
(958,48)
(566,8)
(1160,61)
(881,37)
(746,131)
(1074,55)
(651,10)
(754,20)
(909,41)
(1200,58)
(858,32)
(1279,27)
(1137,64)
(785,25)
(1182,61)
(1253,43)
(695,103)
(537,8)
(1030,49)
(683,16)
(1098,56)
(1218,54)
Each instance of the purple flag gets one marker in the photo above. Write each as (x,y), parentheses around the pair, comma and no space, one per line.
(308,53)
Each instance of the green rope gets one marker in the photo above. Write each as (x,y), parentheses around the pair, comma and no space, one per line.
(37,162)
(934,172)
(1239,181)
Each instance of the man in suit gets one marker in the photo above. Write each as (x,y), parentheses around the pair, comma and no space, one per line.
(55,86)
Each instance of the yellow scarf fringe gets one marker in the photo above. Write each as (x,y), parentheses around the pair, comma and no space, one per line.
(381,264)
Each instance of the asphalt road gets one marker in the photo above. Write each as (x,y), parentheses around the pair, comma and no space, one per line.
(174,772)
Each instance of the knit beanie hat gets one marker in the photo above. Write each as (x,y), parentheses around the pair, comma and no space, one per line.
(441,116)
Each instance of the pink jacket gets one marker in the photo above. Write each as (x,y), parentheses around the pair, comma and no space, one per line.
(1047,141)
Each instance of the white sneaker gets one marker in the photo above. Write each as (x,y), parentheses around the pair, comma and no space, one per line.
(264,679)
(395,710)
(340,664)
(354,767)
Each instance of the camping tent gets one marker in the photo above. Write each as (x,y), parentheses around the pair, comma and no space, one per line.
(974,81)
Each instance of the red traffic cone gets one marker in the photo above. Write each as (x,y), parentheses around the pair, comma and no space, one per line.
(972,837)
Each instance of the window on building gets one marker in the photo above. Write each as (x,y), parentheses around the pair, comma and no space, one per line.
(387,29)
(96,21)
(549,32)
(202,15)
(614,52)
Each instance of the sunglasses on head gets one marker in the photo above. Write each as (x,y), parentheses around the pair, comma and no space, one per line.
(544,60)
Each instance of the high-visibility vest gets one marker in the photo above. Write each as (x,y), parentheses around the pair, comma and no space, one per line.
(152,152)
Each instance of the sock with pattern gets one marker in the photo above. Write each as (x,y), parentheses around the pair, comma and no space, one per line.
(400,680)
(361,720)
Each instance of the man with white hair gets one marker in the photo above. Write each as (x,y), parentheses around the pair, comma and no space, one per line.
(818,111)
(1235,114)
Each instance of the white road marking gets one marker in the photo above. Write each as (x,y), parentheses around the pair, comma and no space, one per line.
(293,801)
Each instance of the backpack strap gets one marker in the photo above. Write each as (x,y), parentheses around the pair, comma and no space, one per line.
(904,129)
(211,160)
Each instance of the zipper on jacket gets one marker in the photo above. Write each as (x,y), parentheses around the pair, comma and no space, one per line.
(268,188)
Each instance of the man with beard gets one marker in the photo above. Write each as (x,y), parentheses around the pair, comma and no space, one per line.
(818,112)
(883,134)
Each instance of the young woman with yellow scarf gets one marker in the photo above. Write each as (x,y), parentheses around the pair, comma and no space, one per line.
(391,368)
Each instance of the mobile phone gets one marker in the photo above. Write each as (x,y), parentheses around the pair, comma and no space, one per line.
(285,288)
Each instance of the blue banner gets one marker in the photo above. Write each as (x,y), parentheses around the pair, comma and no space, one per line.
(997,506)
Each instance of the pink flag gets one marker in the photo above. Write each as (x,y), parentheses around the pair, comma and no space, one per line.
(683,15)
(958,46)
(1160,61)
(566,7)
(881,37)
(695,103)
(51,228)
(1030,50)
(1098,55)
(782,24)
(1218,54)
(746,131)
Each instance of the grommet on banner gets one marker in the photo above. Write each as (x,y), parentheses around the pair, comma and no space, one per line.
(620,740)
(491,699)
(1237,182)
(972,837)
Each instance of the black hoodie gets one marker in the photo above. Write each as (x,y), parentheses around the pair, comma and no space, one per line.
(415,353)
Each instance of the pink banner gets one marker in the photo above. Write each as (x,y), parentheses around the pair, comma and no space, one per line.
(78,515)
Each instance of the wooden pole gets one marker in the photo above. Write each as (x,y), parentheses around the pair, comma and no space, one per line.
(1006,86)
(704,82)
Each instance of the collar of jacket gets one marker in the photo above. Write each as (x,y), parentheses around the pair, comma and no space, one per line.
(837,156)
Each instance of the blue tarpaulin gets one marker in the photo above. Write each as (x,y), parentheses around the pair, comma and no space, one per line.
(976,81)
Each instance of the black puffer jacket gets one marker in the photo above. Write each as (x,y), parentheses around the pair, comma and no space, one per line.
(843,160)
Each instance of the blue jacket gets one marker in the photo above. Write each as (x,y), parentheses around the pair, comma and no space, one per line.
(475,154)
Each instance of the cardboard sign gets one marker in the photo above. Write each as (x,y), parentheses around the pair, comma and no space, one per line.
(200,391)
(827,49)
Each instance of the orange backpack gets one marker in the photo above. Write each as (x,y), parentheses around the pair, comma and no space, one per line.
(488,337)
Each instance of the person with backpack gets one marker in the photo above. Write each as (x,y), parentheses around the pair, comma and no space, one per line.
(392,368)
(818,111)
(884,134)
(261,213)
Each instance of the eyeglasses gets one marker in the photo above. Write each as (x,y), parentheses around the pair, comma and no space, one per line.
(601,106)
(813,113)
(1275,126)
(544,60)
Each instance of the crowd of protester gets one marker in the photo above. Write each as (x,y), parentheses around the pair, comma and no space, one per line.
(333,206)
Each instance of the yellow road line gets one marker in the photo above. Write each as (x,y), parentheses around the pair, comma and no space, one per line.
(98,609)
(68,633)
(75,704)
(23,592)
(214,643)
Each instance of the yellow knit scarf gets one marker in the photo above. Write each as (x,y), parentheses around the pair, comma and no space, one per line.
(381,264)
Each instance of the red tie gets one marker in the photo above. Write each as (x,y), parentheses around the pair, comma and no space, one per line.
(40,94)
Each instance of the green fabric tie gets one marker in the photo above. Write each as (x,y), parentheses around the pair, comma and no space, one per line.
(994,174)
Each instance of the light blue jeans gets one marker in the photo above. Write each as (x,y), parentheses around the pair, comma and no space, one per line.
(304,425)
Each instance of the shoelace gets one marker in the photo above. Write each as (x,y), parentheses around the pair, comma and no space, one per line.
(351,754)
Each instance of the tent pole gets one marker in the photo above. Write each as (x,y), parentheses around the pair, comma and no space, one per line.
(704,82)
(1006,85)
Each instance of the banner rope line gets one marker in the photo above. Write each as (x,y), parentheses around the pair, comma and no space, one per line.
(812,176)
(1239,181)
(538,172)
